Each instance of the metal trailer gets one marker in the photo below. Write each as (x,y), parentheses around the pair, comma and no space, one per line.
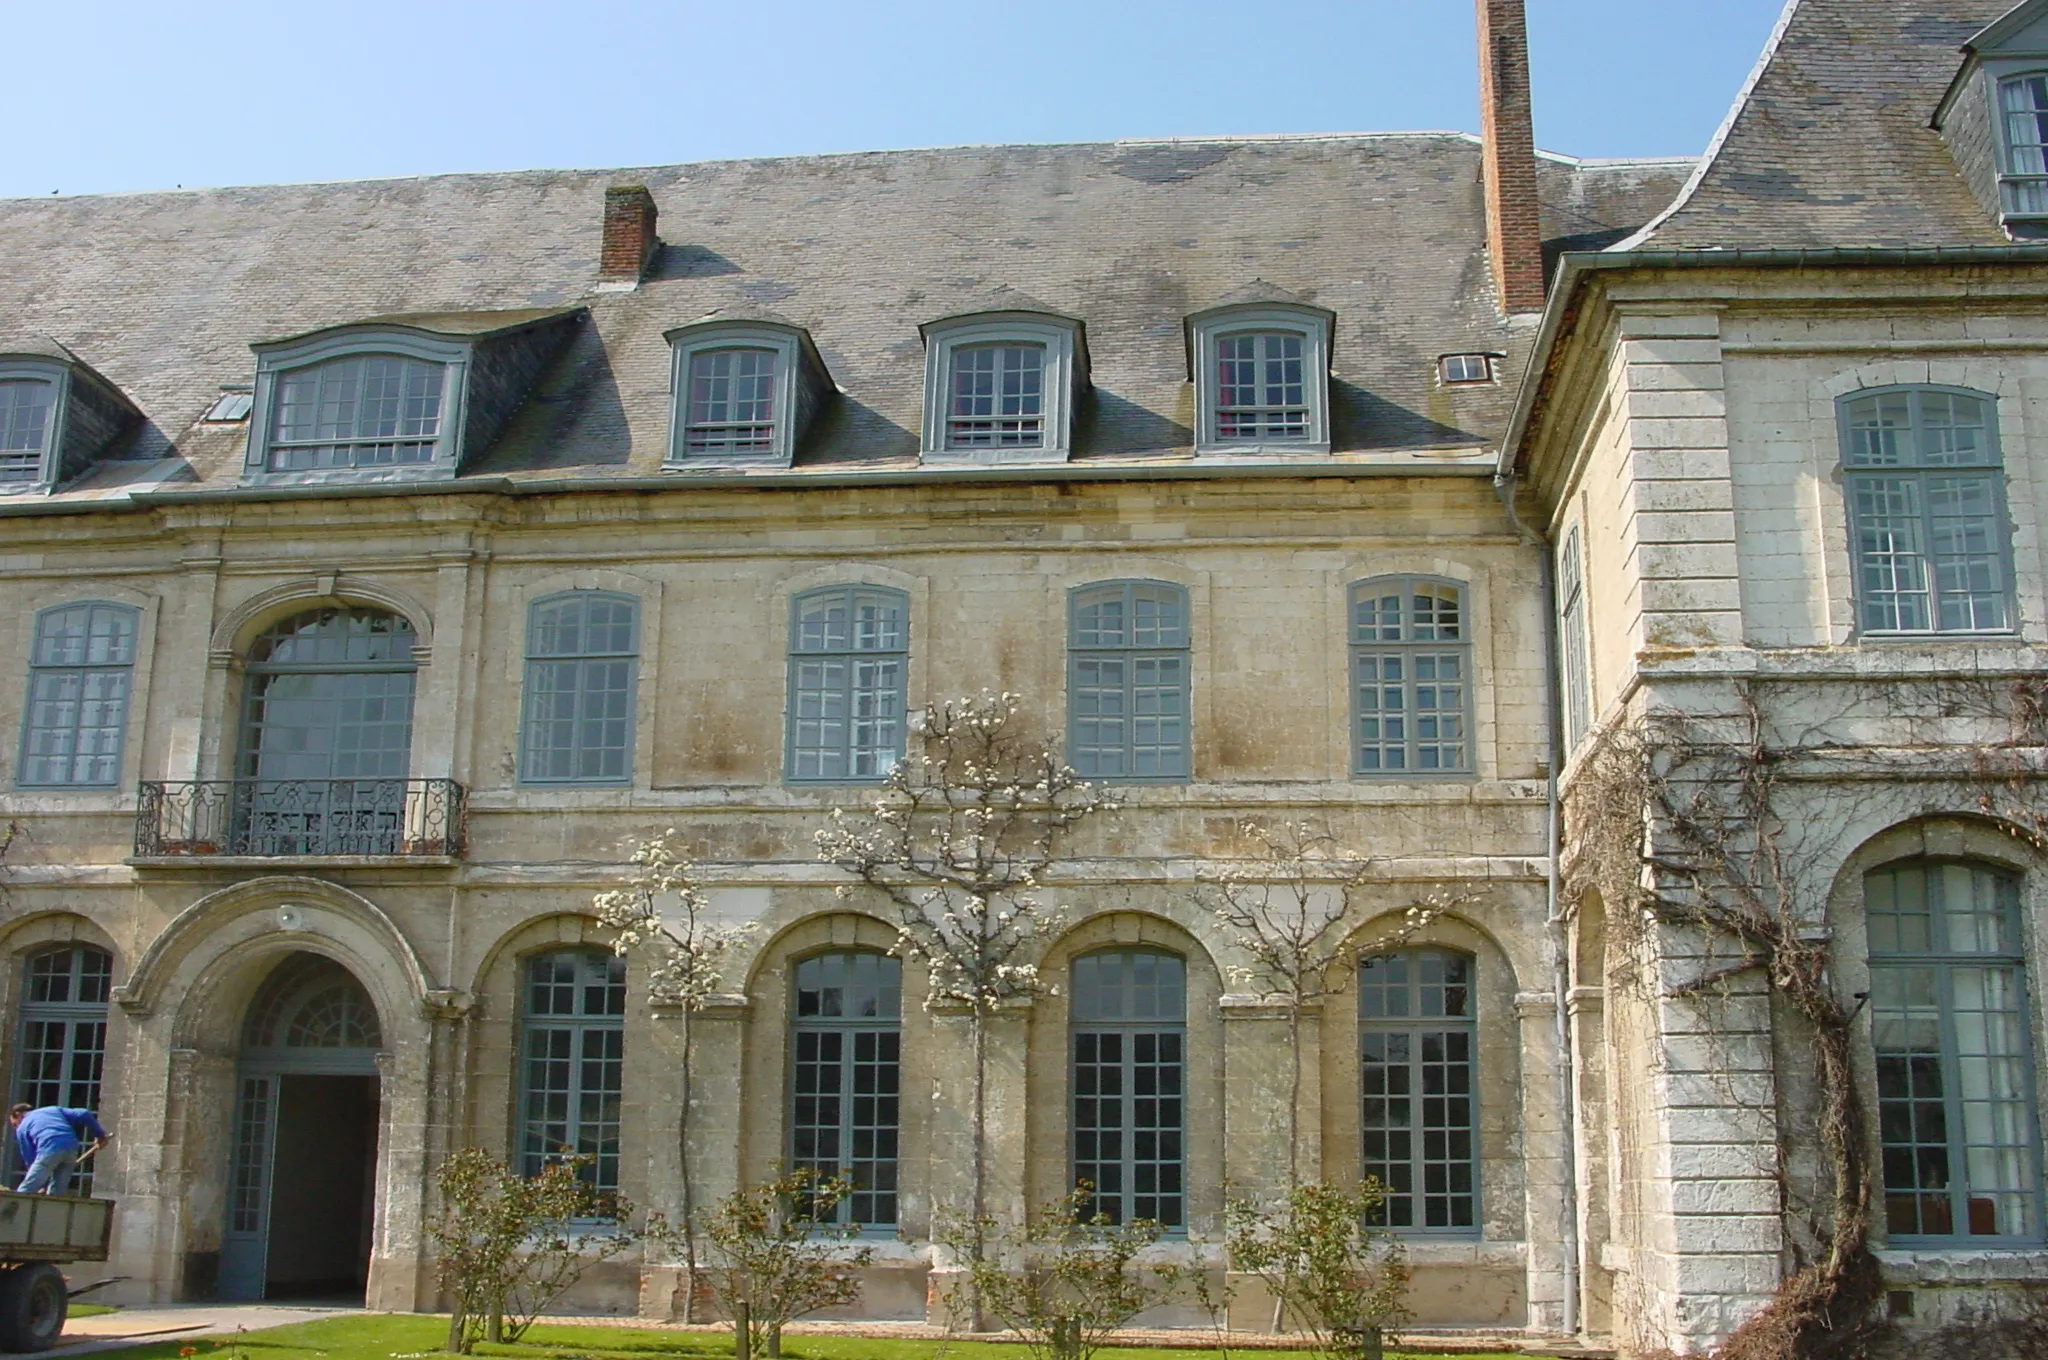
(38,1233)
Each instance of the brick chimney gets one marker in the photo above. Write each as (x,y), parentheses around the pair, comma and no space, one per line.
(629,238)
(1514,236)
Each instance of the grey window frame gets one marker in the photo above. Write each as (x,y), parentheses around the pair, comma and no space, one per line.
(800,384)
(1571,627)
(74,1091)
(582,660)
(1061,379)
(1133,653)
(792,717)
(1854,475)
(273,362)
(1415,1025)
(1208,329)
(37,669)
(1410,648)
(24,368)
(580,1024)
(883,1024)
(1945,963)
(1128,1029)
(2013,181)
(1489,368)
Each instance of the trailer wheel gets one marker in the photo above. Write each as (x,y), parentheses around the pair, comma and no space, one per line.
(33,1304)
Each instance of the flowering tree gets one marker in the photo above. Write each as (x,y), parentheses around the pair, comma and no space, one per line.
(958,840)
(1287,908)
(661,914)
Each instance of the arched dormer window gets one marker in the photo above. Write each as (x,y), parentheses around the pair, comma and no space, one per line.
(2023,120)
(1001,384)
(400,398)
(1261,365)
(746,388)
(1925,482)
(56,416)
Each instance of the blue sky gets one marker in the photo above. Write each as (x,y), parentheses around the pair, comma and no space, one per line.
(157,93)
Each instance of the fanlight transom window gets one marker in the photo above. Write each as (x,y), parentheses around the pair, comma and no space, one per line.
(997,397)
(313,1003)
(367,410)
(25,409)
(731,402)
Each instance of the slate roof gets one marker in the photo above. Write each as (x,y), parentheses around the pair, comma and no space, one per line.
(1830,143)
(165,292)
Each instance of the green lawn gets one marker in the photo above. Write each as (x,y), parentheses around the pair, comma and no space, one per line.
(91,1309)
(412,1337)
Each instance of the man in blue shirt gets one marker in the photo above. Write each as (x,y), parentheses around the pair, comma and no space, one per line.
(51,1141)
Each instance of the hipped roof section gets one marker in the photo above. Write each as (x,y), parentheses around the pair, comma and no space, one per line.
(1830,142)
(169,291)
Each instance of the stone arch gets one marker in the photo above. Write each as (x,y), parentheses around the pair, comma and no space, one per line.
(187,997)
(239,626)
(1048,1096)
(310,913)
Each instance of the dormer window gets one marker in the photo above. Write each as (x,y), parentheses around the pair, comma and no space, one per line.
(1001,385)
(2023,111)
(398,398)
(996,399)
(56,416)
(368,410)
(26,404)
(746,387)
(1261,373)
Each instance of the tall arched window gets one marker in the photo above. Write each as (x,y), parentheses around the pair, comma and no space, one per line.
(1926,489)
(1418,1078)
(63,1046)
(846,1078)
(326,735)
(582,655)
(79,676)
(1411,671)
(1129,1022)
(1955,1088)
(1127,681)
(573,1061)
(848,663)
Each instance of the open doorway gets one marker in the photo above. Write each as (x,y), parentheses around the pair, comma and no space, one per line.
(302,1188)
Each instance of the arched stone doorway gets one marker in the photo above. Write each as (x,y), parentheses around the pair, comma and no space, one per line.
(302,1176)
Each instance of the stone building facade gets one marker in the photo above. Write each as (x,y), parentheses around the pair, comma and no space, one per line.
(384,559)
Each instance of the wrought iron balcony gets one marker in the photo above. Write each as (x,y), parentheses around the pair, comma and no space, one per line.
(299,818)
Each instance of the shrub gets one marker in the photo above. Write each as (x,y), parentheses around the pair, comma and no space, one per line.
(1342,1281)
(775,1251)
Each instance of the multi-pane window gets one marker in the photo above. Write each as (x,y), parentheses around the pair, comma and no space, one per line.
(573,1062)
(1129,1078)
(78,684)
(848,659)
(1571,623)
(1411,664)
(63,1035)
(582,655)
(1925,487)
(1455,369)
(846,1078)
(1417,1083)
(367,410)
(996,397)
(731,401)
(1955,1090)
(1127,681)
(26,408)
(2023,112)
(1262,387)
